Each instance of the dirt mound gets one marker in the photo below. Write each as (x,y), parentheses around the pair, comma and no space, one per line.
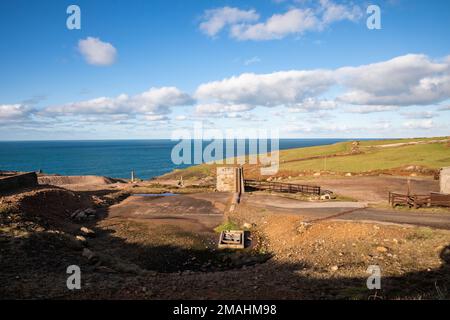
(50,206)
(80,180)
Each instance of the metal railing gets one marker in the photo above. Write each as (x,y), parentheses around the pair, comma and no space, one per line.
(282,187)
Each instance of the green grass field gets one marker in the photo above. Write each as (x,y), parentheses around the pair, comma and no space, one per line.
(430,153)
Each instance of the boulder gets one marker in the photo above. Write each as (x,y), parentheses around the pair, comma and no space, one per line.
(87,232)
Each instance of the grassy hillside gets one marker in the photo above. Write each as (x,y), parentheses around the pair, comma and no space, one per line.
(424,154)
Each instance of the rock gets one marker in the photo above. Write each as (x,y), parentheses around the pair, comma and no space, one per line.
(317,174)
(326,196)
(348,174)
(89,211)
(303,227)
(382,249)
(334,268)
(246,225)
(81,238)
(87,232)
(88,254)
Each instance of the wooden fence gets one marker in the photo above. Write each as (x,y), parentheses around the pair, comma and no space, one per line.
(282,187)
(419,200)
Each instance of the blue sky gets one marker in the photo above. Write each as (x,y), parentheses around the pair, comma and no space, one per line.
(142,69)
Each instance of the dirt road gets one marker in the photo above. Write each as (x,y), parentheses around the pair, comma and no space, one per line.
(354,211)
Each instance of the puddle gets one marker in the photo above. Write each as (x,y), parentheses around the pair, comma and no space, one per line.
(166,194)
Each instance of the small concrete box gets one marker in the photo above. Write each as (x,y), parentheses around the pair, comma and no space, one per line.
(444,180)
(231,239)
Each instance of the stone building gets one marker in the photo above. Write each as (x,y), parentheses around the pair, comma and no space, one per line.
(230,179)
(444,180)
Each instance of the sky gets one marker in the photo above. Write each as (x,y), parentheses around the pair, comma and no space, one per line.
(144,69)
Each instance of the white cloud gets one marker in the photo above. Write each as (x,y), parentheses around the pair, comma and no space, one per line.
(97,52)
(181,118)
(156,117)
(279,88)
(406,80)
(14,111)
(313,105)
(215,20)
(444,108)
(277,26)
(369,109)
(419,114)
(333,12)
(385,86)
(244,25)
(154,101)
(423,124)
(252,60)
(218,108)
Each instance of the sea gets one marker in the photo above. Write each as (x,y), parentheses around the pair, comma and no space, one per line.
(111,158)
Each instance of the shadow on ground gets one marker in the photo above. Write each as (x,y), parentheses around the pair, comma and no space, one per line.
(34,258)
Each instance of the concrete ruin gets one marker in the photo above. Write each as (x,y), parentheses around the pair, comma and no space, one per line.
(232,239)
(13,181)
(444,180)
(230,179)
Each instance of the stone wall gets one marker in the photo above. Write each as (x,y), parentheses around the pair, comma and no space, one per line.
(230,179)
(445,180)
(226,179)
(22,180)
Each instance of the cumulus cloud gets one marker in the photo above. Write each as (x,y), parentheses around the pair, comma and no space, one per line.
(333,12)
(279,88)
(245,25)
(97,52)
(277,26)
(385,86)
(215,20)
(218,108)
(406,80)
(313,105)
(152,102)
(15,111)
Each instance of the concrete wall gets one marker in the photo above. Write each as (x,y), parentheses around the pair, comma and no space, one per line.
(23,180)
(445,180)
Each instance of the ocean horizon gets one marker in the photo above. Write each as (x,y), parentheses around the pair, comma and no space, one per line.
(111,158)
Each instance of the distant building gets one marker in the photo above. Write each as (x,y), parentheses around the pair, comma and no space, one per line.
(444,179)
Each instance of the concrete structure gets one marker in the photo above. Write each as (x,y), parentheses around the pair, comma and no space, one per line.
(230,179)
(444,180)
(17,181)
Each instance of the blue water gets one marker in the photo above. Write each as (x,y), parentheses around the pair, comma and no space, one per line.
(111,158)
